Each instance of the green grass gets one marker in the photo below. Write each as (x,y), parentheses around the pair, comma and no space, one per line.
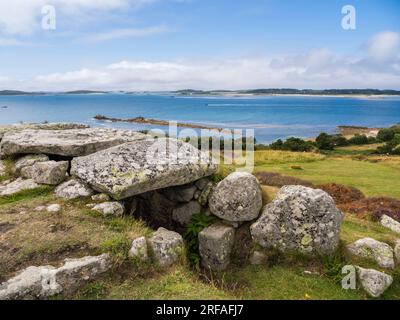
(172,284)
(373,179)
(26,195)
(289,283)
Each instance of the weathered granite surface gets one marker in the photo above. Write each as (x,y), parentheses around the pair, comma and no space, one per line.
(141,166)
(299,219)
(72,143)
(17,186)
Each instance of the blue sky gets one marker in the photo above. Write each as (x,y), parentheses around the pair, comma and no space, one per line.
(204,44)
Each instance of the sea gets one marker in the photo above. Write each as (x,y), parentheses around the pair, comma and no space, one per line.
(271,117)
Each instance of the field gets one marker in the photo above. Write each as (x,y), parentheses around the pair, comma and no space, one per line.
(38,238)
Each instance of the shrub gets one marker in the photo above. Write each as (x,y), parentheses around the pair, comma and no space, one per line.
(385,135)
(359,139)
(324,142)
(385,149)
(376,206)
(342,194)
(278,180)
(292,144)
(339,141)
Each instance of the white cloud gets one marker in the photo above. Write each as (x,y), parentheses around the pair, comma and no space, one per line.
(384,46)
(319,68)
(21,17)
(128,33)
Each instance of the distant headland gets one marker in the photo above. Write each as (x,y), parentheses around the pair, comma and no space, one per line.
(231,93)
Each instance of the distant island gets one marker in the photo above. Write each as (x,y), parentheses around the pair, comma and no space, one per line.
(156,122)
(250,92)
(289,91)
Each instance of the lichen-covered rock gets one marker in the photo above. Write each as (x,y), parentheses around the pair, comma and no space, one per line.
(101,197)
(17,186)
(215,246)
(370,248)
(73,189)
(299,219)
(183,214)
(50,172)
(237,198)
(46,281)
(390,223)
(72,143)
(205,194)
(2,168)
(375,283)
(145,165)
(28,161)
(27,172)
(139,249)
(397,251)
(76,272)
(114,208)
(201,184)
(180,193)
(167,246)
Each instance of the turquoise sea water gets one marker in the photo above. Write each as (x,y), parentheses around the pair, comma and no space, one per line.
(271,117)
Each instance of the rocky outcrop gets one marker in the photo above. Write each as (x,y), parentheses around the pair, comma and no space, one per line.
(27,162)
(50,172)
(139,249)
(54,208)
(46,281)
(110,208)
(375,283)
(145,165)
(73,189)
(167,247)
(237,198)
(101,197)
(215,246)
(390,223)
(299,219)
(183,214)
(70,143)
(370,248)
(17,186)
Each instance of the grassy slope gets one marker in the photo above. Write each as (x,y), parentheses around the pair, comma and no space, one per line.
(42,238)
(381,178)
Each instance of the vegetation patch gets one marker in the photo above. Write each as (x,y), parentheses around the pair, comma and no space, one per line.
(278,180)
(342,194)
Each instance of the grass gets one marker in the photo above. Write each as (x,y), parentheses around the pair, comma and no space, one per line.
(374,178)
(25,195)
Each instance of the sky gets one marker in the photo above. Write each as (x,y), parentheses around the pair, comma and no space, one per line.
(154,45)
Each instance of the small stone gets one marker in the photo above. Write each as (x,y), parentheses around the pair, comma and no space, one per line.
(2,168)
(181,193)
(258,258)
(167,246)
(197,195)
(54,208)
(375,283)
(50,172)
(201,184)
(110,208)
(73,189)
(390,223)
(91,205)
(370,248)
(215,246)
(40,208)
(139,249)
(237,198)
(184,213)
(101,197)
